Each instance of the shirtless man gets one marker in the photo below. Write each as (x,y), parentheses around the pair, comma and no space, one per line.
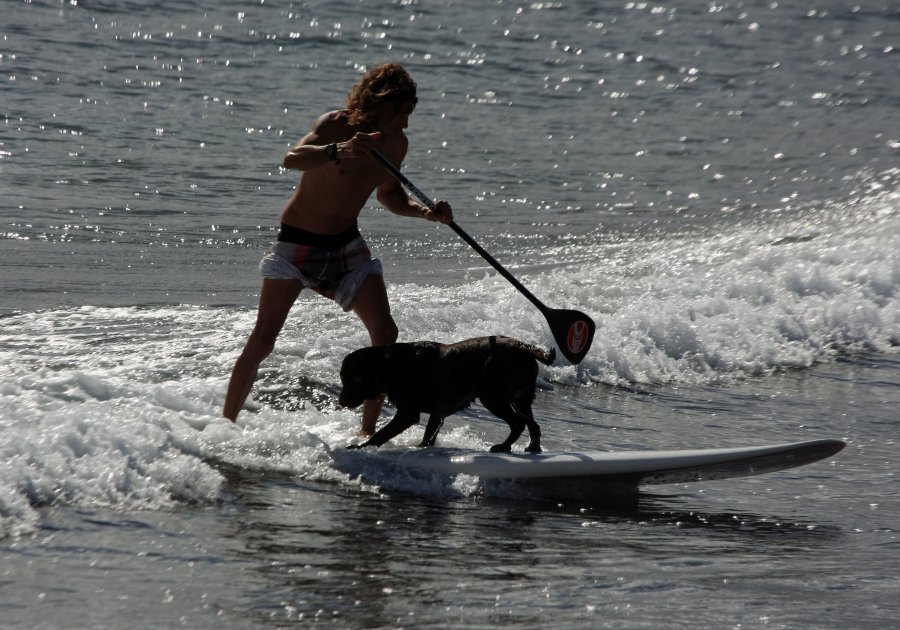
(319,245)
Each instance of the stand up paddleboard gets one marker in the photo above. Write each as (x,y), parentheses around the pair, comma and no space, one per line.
(623,467)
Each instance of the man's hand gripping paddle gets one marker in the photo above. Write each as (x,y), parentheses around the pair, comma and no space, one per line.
(572,330)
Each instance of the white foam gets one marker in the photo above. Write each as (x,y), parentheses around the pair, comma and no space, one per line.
(719,307)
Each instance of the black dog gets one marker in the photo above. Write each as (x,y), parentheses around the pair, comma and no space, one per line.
(441,379)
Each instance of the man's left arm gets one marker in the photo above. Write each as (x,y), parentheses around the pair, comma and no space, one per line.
(392,196)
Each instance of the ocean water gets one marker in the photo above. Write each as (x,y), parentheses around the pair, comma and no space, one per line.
(716,184)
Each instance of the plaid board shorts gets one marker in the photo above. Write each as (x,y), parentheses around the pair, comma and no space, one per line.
(334,270)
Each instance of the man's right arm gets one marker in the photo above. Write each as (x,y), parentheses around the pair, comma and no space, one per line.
(304,156)
(311,150)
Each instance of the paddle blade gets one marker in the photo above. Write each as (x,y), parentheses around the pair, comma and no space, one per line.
(573,332)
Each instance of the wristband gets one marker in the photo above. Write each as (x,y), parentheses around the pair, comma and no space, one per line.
(331,152)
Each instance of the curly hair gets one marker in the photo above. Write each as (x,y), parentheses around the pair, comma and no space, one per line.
(387,83)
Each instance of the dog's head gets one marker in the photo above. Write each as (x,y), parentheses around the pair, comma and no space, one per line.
(363,376)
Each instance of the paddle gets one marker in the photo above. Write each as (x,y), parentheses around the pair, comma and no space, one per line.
(572,330)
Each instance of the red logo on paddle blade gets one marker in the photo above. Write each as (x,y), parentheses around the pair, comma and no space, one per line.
(577,337)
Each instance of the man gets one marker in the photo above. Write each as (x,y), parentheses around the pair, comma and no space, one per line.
(319,245)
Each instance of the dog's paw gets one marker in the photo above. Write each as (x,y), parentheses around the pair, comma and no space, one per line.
(501,448)
(355,447)
(534,448)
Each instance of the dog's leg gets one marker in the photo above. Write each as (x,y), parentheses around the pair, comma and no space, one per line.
(401,421)
(523,408)
(431,430)
(503,410)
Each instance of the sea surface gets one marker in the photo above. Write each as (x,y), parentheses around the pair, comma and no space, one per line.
(716,183)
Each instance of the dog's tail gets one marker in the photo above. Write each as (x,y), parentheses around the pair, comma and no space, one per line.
(544,356)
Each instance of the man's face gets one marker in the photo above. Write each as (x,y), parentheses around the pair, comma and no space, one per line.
(395,117)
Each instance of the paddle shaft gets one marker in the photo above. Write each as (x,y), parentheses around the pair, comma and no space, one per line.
(465,236)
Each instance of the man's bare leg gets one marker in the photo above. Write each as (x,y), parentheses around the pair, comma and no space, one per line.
(275,301)
(371,411)
(372,307)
